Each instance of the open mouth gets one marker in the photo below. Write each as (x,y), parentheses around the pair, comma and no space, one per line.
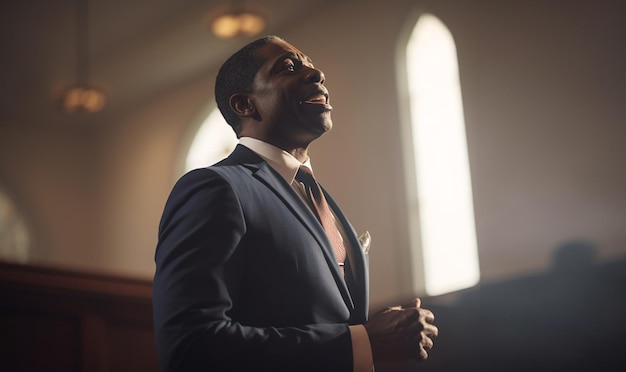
(318,99)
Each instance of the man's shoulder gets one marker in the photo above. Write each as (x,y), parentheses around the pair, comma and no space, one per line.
(235,172)
(225,172)
(232,164)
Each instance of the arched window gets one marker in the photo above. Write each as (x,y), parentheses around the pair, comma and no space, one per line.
(14,234)
(444,248)
(213,141)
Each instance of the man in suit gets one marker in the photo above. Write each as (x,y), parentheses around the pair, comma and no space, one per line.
(248,274)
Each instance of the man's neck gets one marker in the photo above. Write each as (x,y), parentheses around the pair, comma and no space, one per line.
(298,152)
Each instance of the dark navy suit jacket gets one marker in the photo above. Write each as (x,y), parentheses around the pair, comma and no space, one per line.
(246,278)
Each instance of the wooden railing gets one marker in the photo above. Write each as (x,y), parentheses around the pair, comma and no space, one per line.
(62,320)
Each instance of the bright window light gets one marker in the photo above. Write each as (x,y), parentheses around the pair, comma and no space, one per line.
(444,192)
(213,142)
(14,234)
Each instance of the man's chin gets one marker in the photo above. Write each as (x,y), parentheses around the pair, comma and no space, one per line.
(322,127)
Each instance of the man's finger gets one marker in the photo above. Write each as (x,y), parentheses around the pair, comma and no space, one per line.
(415,303)
(428,315)
(431,330)
(427,343)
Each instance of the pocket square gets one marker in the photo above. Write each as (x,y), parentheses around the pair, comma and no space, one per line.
(366,240)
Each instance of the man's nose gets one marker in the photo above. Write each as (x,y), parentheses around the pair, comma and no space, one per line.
(314,75)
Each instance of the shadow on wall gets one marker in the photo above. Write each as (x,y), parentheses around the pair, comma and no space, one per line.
(572,318)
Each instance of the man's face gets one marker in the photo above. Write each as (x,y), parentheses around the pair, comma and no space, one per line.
(290,97)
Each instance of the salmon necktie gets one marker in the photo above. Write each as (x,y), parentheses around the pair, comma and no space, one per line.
(316,196)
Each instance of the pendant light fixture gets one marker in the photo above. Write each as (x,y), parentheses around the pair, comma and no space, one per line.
(83,97)
(237,20)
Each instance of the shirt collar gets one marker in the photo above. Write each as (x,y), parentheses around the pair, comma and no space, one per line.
(282,161)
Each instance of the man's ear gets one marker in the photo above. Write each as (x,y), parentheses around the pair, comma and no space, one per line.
(242,105)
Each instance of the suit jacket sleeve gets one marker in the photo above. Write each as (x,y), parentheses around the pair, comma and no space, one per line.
(199,278)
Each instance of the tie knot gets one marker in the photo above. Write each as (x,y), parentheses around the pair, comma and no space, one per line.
(305,175)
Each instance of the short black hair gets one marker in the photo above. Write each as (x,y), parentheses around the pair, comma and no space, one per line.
(236,75)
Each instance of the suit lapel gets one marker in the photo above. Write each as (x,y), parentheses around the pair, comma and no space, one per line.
(357,273)
(262,171)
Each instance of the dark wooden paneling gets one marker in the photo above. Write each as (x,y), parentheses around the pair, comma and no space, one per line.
(62,320)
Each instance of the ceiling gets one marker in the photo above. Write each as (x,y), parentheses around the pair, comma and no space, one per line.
(136,48)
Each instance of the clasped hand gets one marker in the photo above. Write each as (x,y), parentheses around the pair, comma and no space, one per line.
(402,333)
